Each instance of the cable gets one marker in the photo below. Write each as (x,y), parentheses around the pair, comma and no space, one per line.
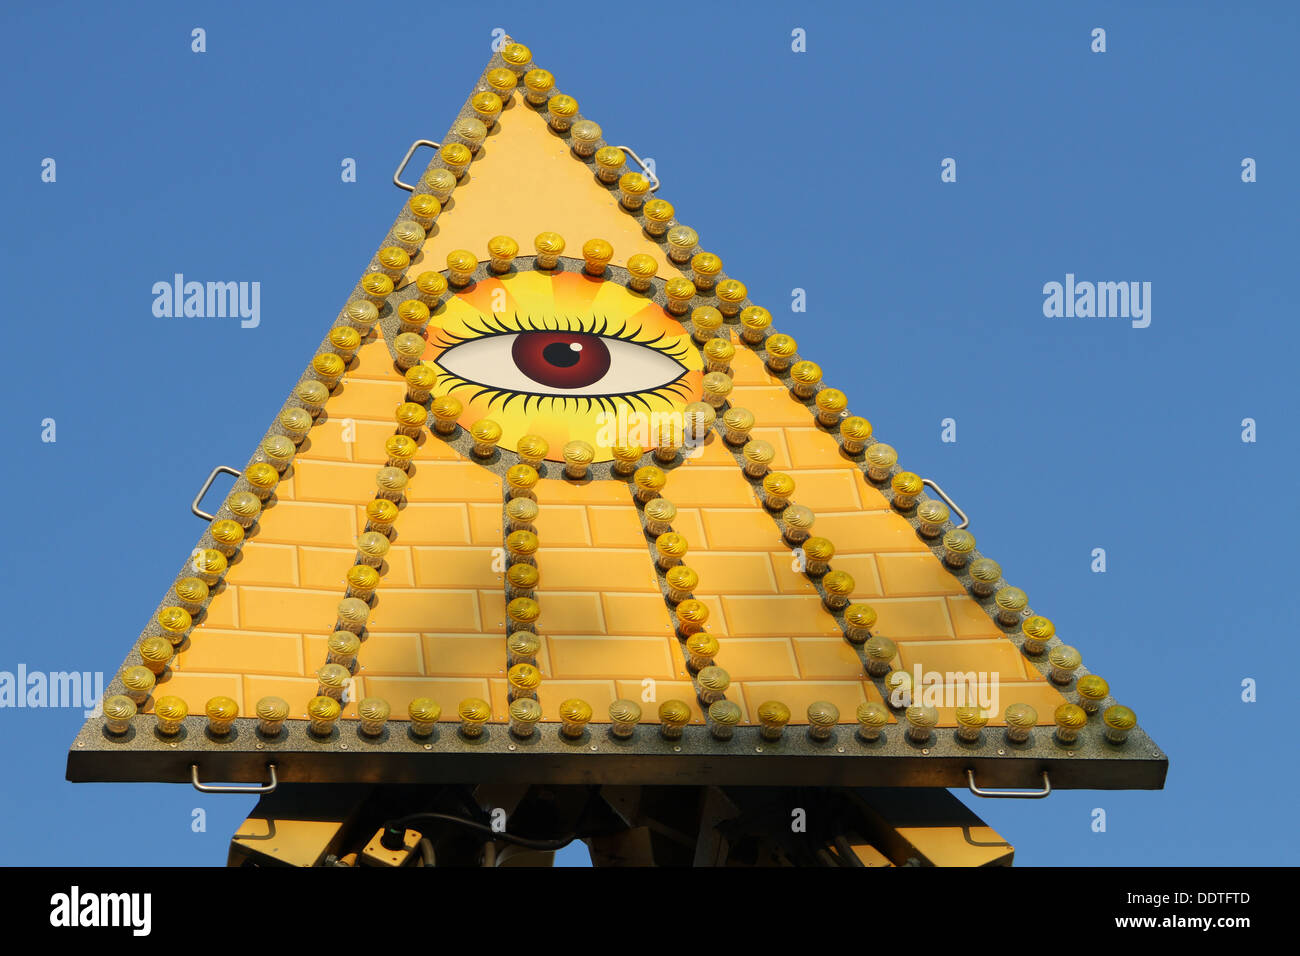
(525,842)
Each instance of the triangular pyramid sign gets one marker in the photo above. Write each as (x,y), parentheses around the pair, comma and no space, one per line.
(556,502)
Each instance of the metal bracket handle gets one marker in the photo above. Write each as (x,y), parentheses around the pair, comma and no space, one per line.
(965,522)
(251,788)
(654,180)
(401,167)
(1009,794)
(194,505)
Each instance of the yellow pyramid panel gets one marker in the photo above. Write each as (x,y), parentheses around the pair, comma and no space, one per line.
(525,180)
(486,416)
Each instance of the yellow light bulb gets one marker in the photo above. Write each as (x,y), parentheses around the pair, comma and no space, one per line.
(641,269)
(548,245)
(718,353)
(858,621)
(474,712)
(679,292)
(502,251)
(958,545)
(373,713)
(524,716)
(881,459)
(702,648)
(658,216)
(681,582)
(362,580)
(731,295)
(872,719)
(578,456)
(906,485)
(487,107)
(597,253)
(445,411)
(970,721)
(584,135)
(1021,720)
(985,573)
(155,653)
(1064,661)
(413,315)
(523,612)
(322,712)
(1070,719)
(705,322)
(881,653)
(674,715)
(706,268)
(517,57)
(537,86)
(424,208)
(461,264)
(439,181)
(271,715)
(737,422)
(773,716)
(432,286)
(624,715)
(1119,721)
(682,242)
(221,713)
(486,434)
(532,450)
(561,111)
(822,718)
(503,82)
(574,715)
(424,713)
(724,715)
(855,431)
(609,163)
(118,711)
(312,394)
(170,713)
(1092,690)
(921,721)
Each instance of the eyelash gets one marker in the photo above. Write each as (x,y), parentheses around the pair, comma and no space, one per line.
(493,325)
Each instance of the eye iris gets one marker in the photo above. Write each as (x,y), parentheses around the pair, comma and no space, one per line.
(561,359)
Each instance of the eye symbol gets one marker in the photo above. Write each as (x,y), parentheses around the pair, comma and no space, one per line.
(561,363)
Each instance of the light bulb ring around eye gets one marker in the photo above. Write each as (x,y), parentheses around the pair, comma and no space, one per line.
(654,367)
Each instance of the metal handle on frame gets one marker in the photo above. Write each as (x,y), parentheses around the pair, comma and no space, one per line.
(401,167)
(251,788)
(1009,794)
(654,180)
(965,521)
(194,505)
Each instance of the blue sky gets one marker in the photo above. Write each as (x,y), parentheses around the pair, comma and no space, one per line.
(817,170)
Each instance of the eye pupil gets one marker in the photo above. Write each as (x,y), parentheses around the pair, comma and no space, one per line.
(561,355)
(561,359)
